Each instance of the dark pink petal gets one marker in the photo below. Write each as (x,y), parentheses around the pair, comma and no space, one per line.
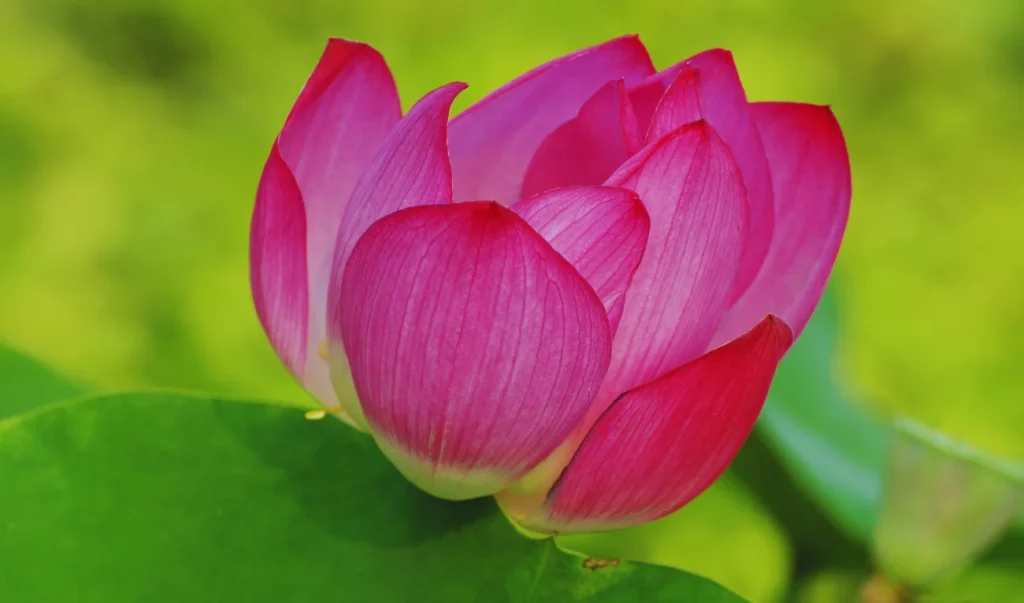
(811,175)
(587,148)
(277,262)
(663,443)
(474,346)
(601,230)
(723,103)
(693,192)
(341,117)
(493,141)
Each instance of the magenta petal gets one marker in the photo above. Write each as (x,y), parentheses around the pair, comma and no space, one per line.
(474,346)
(723,103)
(277,251)
(725,107)
(679,105)
(338,122)
(663,443)
(601,230)
(587,148)
(694,194)
(811,175)
(411,168)
(493,141)
(646,94)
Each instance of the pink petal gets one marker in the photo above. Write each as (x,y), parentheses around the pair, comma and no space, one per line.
(693,192)
(665,442)
(277,251)
(587,148)
(339,120)
(811,175)
(602,231)
(723,103)
(474,346)
(646,94)
(678,106)
(493,141)
(411,168)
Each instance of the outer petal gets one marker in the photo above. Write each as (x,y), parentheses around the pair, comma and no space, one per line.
(662,444)
(492,141)
(602,231)
(723,103)
(587,148)
(411,168)
(277,252)
(811,175)
(474,346)
(339,120)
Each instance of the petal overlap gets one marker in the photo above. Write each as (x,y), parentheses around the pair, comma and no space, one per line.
(665,442)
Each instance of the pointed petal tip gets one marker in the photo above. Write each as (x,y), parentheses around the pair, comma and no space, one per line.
(336,56)
(779,333)
(665,442)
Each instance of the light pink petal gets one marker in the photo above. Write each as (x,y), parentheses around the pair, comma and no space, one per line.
(665,442)
(723,103)
(811,175)
(341,117)
(601,230)
(411,168)
(493,141)
(277,262)
(474,346)
(587,148)
(692,190)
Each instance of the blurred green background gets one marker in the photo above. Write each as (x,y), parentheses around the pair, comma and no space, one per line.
(132,135)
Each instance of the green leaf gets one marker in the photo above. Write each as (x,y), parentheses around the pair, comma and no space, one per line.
(723,534)
(832,447)
(25,384)
(162,497)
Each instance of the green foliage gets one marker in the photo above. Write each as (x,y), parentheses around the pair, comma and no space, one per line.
(164,497)
(26,384)
(833,448)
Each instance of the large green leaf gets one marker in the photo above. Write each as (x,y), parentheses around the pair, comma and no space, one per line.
(25,384)
(162,497)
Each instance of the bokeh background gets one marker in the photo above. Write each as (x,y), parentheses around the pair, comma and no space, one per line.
(133,132)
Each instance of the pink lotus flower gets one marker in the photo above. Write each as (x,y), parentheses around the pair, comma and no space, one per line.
(573,295)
